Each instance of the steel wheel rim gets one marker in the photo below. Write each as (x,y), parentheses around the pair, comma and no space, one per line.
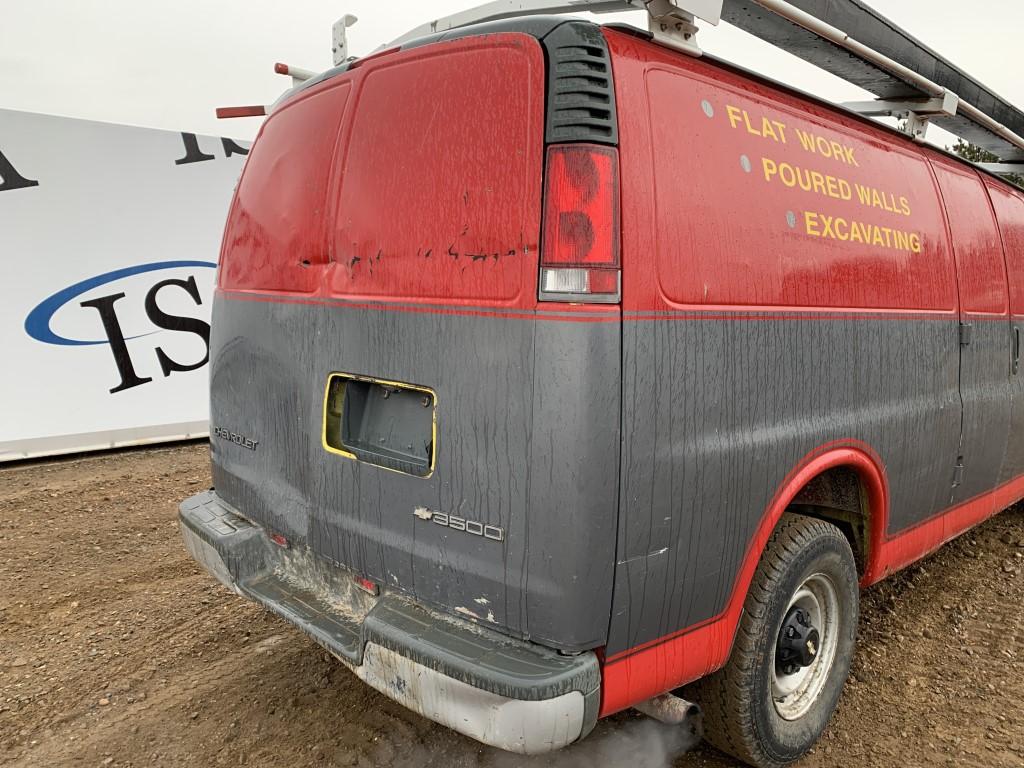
(793,695)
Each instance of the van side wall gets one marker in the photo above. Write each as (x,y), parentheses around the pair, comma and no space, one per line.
(791,302)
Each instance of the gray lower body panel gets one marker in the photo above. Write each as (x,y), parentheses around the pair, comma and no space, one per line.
(504,692)
(530,449)
(717,412)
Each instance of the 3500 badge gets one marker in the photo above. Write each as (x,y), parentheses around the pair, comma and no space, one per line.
(474,527)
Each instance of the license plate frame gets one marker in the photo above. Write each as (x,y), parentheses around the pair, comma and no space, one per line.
(389,424)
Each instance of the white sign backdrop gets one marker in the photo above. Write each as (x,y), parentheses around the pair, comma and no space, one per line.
(109,236)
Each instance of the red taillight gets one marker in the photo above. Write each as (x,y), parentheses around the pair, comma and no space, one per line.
(580,243)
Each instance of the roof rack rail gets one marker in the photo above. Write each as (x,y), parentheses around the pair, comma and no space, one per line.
(869,51)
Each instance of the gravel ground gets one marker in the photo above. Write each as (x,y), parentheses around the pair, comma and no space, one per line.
(117,650)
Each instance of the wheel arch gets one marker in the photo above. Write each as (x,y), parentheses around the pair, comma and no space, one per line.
(849,455)
(666,663)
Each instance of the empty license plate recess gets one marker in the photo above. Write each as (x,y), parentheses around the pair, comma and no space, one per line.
(387,423)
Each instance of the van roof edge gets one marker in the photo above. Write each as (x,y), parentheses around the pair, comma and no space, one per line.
(873,53)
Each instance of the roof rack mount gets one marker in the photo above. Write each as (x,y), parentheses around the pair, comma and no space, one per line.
(870,52)
(672,22)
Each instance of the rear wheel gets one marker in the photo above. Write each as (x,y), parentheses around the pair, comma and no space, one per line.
(772,701)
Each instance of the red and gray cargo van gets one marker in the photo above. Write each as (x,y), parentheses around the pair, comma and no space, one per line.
(554,370)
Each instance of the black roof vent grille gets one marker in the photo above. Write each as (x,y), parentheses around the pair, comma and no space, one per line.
(581,94)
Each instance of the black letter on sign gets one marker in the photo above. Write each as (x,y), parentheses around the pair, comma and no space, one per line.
(105,306)
(174,323)
(193,154)
(10,178)
(231,148)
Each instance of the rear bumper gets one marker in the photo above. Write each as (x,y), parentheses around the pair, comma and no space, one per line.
(503,692)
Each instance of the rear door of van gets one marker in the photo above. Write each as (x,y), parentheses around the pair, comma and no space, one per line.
(419,416)
(1009,209)
(984,332)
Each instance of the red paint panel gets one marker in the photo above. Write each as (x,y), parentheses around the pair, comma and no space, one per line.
(976,242)
(275,233)
(780,233)
(1009,208)
(764,199)
(667,665)
(899,551)
(441,180)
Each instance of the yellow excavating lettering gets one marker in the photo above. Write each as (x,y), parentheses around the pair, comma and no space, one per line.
(837,228)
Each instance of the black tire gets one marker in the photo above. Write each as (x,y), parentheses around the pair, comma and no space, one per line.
(740,715)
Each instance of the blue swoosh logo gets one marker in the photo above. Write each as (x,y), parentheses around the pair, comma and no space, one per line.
(37,324)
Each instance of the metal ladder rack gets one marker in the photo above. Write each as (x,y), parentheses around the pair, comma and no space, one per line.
(847,38)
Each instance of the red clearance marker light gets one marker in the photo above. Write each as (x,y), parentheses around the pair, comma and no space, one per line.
(280,540)
(257,110)
(367,586)
(281,69)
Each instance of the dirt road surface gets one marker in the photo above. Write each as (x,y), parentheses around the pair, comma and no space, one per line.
(115,650)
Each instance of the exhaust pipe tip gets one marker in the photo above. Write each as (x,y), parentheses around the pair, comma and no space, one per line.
(674,710)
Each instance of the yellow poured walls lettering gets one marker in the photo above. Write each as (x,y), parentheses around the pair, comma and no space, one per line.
(794,176)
